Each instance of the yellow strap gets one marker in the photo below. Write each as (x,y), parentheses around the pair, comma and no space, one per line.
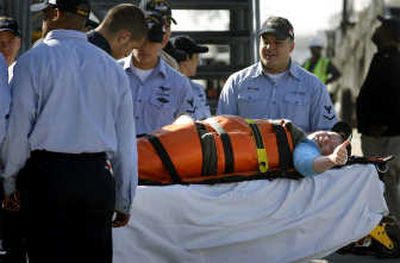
(262,160)
(261,152)
(379,234)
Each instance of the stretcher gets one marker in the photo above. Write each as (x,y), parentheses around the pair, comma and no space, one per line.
(279,220)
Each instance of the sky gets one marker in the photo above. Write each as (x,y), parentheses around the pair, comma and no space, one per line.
(307,16)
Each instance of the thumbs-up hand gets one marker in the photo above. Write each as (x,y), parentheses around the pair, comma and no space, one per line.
(340,155)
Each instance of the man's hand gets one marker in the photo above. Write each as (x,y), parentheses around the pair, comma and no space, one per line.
(120,219)
(12,202)
(340,154)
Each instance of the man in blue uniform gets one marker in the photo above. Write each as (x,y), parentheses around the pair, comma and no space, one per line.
(122,29)
(277,87)
(188,67)
(160,93)
(71,121)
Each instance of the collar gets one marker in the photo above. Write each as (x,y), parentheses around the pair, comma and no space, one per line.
(161,67)
(65,34)
(293,69)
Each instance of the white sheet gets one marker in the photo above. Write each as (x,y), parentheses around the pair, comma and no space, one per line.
(253,221)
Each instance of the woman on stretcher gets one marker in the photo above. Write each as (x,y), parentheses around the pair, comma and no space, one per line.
(230,148)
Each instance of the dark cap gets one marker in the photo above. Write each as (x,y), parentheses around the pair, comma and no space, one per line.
(9,24)
(278,26)
(161,6)
(188,45)
(79,7)
(155,24)
(391,23)
(177,54)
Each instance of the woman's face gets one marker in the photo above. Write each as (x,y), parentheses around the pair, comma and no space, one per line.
(327,141)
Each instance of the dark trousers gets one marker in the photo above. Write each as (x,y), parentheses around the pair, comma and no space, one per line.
(68,202)
(14,242)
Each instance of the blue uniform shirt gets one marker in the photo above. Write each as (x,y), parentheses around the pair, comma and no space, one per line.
(298,96)
(71,97)
(202,109)
(161,98)
(5,97)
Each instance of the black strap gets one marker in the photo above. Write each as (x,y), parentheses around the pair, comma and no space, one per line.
(285,155)
(164,156)
(261,152)
(257,135)
(208,149)
(226,142)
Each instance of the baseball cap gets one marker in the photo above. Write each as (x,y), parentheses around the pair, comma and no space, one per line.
(79,7)
(177,54)
(155,24)
(278,26)
(163,7)
(9,24)
(392,23)
(317,42)
(188,45)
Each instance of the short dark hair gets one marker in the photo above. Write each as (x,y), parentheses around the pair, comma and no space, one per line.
(128,17)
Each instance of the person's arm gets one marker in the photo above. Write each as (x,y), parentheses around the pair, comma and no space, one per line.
(202,110)
(125,159)
(227,103)
(338,157)
(304,155)
(308,160)
(333,73)
(323,113)
(5,97)
(16,148)
(187,101)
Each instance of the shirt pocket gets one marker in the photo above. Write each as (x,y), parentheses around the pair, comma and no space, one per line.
(297,109)
(251,104)
(297,100)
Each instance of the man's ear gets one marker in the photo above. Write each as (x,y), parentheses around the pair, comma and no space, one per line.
(292,45)
(165,38)
(54,14)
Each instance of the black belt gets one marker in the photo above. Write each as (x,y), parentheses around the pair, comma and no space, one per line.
(68,156)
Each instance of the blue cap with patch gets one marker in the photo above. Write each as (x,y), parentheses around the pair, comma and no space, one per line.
(162,7)
(155,24)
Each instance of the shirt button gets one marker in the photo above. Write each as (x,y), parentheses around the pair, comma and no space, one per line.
(136,117)
(139,100)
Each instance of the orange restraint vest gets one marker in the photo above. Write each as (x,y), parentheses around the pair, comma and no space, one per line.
(219,149)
